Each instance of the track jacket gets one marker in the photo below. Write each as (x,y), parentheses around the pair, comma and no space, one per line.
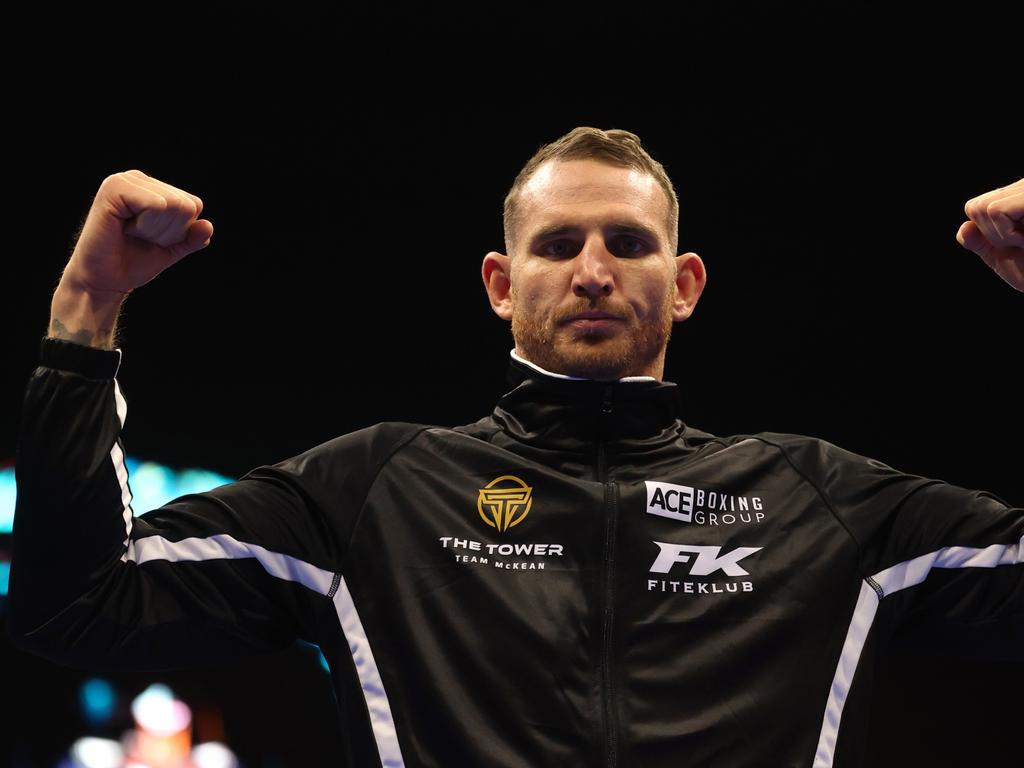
(577,579)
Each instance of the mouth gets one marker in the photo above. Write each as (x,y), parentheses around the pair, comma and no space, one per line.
(592,320)
(593,315)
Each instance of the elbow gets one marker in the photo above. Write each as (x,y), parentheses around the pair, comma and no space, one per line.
(20,639)
(27,630)
(18,631)
(42,642)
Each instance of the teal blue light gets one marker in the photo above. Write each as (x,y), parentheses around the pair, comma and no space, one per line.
(152,485)
(5,575)
(315,649)
(7,492)
(97,698)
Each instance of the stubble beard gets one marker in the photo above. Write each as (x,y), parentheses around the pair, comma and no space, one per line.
(598,354)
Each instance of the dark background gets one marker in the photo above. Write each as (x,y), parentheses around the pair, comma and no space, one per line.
(354,165)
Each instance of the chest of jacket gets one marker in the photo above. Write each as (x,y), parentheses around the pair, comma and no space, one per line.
(557,605)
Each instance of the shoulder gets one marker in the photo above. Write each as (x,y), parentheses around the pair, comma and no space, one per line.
(766,440)
(482,429)
(804,452)
(363,448)
(814,448)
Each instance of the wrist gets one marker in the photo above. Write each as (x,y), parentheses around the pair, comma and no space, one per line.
(83,316)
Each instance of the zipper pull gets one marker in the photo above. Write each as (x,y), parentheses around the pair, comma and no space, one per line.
(606,403)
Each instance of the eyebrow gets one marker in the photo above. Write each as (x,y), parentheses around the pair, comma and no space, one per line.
(619,227)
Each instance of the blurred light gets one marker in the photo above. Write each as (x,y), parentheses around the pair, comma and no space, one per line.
(90,752)
(213,754)
(97,699)
(5,576)
(7,493)
(152,486)
(159,713)
(163,729)
(315,649)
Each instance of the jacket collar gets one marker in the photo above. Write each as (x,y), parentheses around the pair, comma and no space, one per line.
(550,408)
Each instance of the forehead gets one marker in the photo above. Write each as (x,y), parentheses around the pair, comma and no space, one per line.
(582,188)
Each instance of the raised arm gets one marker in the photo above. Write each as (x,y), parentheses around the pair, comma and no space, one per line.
(248,566)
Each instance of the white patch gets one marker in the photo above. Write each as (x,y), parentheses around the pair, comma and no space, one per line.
(669,500)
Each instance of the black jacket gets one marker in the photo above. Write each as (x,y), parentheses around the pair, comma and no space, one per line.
(577,579)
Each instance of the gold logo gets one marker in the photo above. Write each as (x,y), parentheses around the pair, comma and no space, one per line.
(504,502)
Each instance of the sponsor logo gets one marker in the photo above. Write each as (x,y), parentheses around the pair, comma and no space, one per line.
(707,560)
(504,502)
(700,506)
(700,560)
(509,557)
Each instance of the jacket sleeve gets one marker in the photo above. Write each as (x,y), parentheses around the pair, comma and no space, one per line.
(947,554)
(247,567)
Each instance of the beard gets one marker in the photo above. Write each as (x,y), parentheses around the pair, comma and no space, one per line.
(631,348)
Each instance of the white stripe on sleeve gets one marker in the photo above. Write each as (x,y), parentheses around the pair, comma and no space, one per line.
(369,678)
(121,471)
(224,546)
(893,579)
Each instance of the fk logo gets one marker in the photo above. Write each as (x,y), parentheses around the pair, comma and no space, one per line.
(705,560)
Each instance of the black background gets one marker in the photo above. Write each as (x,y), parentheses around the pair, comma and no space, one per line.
(354,164)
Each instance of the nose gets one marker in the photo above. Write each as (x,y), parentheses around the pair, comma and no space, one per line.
(592,271)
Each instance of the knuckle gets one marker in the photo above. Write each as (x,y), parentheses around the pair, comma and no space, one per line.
(120,176)
(179,205)
(160,203)
(134,174)
(994,208)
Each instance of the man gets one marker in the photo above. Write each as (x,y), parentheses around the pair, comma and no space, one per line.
(577,579)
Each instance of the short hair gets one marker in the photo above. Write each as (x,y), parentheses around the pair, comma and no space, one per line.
(614,147)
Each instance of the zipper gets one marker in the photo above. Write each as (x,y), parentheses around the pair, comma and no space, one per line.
(611,493)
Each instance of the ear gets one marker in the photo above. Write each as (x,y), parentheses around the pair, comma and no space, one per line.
(496,272)
(690,280)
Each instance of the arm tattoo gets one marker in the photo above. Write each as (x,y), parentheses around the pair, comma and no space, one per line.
(99,338)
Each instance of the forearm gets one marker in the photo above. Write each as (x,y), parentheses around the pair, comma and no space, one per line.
(69,521)
(85,317)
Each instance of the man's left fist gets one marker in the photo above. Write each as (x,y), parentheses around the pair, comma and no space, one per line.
(995,231)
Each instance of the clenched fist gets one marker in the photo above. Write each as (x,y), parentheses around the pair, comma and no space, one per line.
(137,227)
(995,231)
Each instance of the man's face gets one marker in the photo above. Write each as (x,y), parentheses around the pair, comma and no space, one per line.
(593,288)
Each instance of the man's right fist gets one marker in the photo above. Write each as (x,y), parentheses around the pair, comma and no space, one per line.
(137,227)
